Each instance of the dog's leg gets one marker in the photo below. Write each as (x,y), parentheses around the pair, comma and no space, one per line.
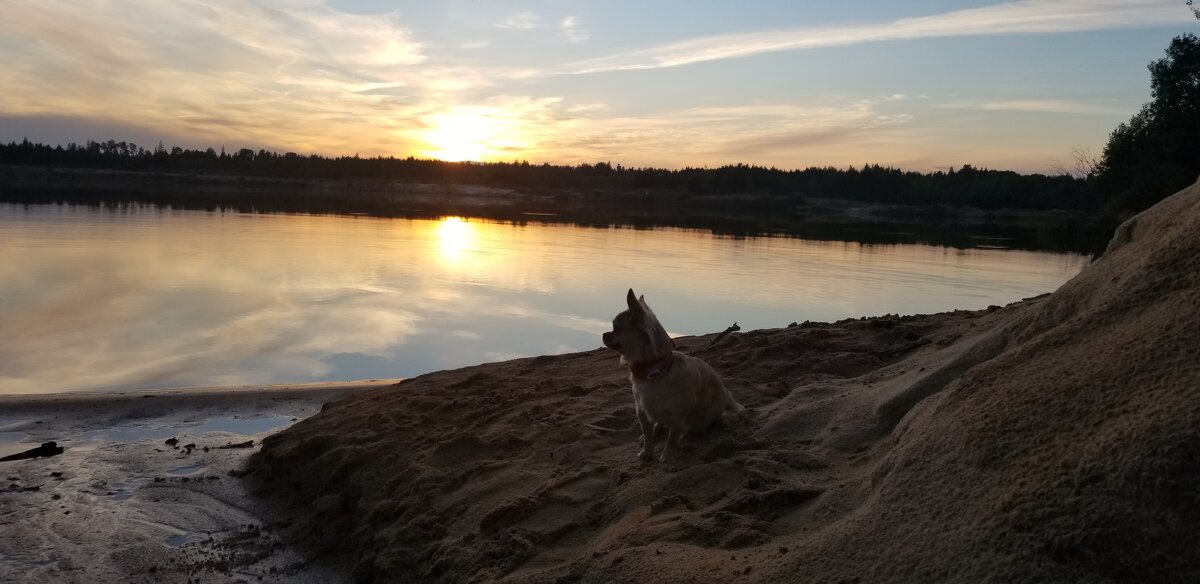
(672,443)
(647,452)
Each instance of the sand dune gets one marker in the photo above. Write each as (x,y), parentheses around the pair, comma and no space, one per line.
(1055,439)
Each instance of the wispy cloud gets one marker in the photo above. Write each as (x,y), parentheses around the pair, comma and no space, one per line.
(1055,106)
(571,30)
(1021,17)
(303,77)
(521,21)
(771,133)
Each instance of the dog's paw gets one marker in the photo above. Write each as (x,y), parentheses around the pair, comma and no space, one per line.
(646,455)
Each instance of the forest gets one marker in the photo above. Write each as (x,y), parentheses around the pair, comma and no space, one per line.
(872,183)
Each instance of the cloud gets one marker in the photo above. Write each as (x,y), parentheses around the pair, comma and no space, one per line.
(1021,17)
(52,129)
(521,21)
(304,77)
(1056,106)
(767,133)
(291,76)
(570,29)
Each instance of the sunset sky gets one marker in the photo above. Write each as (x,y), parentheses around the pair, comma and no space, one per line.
(919,85)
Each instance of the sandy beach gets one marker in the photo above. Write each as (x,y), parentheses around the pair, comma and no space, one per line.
(1056,439)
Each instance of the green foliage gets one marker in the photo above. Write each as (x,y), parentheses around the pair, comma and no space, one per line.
(1155,153)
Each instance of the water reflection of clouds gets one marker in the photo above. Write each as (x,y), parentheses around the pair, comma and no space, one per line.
(140,316)
(154,299)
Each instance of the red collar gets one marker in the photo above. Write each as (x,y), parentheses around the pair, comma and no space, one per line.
(653,369)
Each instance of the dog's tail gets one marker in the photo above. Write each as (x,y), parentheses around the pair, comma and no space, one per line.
(731,405)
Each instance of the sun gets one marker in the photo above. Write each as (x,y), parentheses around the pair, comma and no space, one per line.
(474,133)
(462,136)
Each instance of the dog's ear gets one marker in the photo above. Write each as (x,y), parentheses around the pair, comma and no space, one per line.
(632,301)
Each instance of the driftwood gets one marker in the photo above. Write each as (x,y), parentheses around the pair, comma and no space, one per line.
(46,449)
(732,329)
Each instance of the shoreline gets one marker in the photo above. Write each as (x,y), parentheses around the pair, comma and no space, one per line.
(122,503)
(18,400)
(133,456)
(752,215)
(507,467)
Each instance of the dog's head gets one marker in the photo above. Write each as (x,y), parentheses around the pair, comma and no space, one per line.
(637,334)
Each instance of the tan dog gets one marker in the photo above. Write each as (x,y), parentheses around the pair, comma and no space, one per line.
(670,388)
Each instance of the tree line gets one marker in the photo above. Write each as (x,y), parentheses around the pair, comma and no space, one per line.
(1156,152)
(965,186)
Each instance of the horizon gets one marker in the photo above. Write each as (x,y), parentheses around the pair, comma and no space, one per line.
(1006,86)
(223,150)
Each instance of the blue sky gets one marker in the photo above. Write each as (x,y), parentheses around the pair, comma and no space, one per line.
(920,85)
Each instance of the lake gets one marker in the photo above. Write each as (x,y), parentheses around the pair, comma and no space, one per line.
(95,299)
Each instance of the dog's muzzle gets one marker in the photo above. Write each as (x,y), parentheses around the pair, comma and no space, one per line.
(609,342)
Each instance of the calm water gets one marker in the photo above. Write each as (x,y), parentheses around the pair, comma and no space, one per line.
(94,299)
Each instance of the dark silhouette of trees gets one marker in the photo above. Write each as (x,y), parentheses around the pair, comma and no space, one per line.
(740,184)
(1155,153)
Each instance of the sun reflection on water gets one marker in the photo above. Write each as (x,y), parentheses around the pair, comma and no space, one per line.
(456,239)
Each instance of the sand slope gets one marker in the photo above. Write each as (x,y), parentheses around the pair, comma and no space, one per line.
(1056,439)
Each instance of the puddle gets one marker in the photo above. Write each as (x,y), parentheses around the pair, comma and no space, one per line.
(176,540)
(9,424)
(127,434)
(121,491)
(229,424)
(187,470)
(14,442)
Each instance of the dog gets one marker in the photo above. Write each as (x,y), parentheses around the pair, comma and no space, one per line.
(670,389)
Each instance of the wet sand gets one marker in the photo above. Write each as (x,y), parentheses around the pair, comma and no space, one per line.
(122,505)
